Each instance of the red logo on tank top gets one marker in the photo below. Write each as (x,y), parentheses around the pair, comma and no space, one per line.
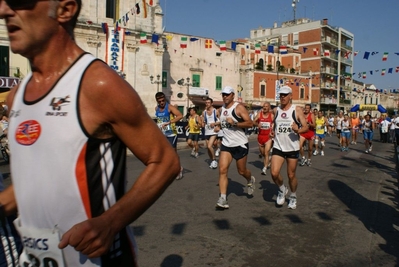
(284,115)
(28,132)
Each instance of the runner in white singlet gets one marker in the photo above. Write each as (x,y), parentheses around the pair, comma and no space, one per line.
(289,122)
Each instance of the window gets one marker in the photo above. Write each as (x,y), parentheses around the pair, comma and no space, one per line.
(196,80)
(295,38)
(181,109)
(263,89)
(110,9)
(4,61)
(164,79)
(218,83)
(302,92)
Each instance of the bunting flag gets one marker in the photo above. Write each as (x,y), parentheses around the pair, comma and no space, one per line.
(364,75)
(385,56)
(315,51)
(233,46)
(337,51)
(143,38)
(183,42)
(144,9)
(305,49)
(283,50)
(366,55)
(397,69)
(193,39)
(347,54)
(382,72)
(326,53)
(151,2)
(222,45)
(105,27)
(208,43)
(169,37)
(374,53)
(390,70)
(355,53)
(371,72)
(257,48)
(137,8)
(270,49)
(154,38)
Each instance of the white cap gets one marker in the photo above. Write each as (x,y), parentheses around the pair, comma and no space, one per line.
(228,90)
(285,90)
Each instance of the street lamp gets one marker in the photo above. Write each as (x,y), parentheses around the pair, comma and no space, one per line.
(187,84)
(158,81)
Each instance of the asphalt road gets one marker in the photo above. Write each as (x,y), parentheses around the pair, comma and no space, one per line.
(347,214)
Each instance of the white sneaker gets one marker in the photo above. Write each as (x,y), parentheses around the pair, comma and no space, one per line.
(367,151)
(370,148)
(281,196)
(214,164)
(193,152)
(251,186)
(196,155)
(321,153)
(315,153)
(180,176)
(217,152)
(292,203)
(264,170)
(302,162)
(222,203)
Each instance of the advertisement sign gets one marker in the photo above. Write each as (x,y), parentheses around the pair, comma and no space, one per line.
(115,48)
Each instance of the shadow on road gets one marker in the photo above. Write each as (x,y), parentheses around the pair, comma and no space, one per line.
(172,260)
(379,218)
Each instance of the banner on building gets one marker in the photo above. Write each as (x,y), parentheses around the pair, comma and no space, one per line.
(115,48)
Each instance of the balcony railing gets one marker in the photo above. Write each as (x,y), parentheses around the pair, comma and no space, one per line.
(345,101)
(327,100)
(329,70)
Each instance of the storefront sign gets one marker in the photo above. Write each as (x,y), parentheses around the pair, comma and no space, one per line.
(8,82)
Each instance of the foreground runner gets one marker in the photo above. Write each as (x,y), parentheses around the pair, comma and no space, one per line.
(208,123)
(234,118)
(289,122)
(264,121)
(68,165)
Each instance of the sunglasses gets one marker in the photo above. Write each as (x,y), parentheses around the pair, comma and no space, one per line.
(22,4)
(224,94)
(283,95)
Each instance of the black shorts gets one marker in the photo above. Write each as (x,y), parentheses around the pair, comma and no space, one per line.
(207,137)
(237,152)
(339,131)
(193,136)
(286,155)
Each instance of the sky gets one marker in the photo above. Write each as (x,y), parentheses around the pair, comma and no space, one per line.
(373,24)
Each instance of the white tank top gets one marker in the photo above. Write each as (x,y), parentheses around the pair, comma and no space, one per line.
(339,122)
(61,175)
(285,139)
(208,119)
(233,136)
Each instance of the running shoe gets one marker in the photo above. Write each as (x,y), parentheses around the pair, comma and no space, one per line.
(370,148)
(281,196)
(196,155)
(222,203)
(346,149)
(214,164)
(292,202)
(355,143)
(193,152)
(321,153)
(251,186)
(315,153)
(264,170)
(217,152)
(367,151)
(180,176)
(308,162)
(303,161)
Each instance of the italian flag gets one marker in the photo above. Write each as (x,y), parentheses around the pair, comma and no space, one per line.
(222,45)
(143,38)
(385,56)
(183,42)
(364,75)
(257,48)
(383,72)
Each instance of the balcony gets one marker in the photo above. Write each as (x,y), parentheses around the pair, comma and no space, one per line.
(328,70)
(329,40)
(328,101)
(345,101)
(346,61)
(328,85)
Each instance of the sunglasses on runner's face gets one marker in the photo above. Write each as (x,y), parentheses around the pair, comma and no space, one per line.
(283,95)
(224,94)
(22,4)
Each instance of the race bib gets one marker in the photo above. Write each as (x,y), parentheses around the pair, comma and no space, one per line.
(265,125)
(40,247)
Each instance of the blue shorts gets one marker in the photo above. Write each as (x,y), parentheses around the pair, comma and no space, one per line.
(172,140)
(321,136)
(346,134)
(368,135)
